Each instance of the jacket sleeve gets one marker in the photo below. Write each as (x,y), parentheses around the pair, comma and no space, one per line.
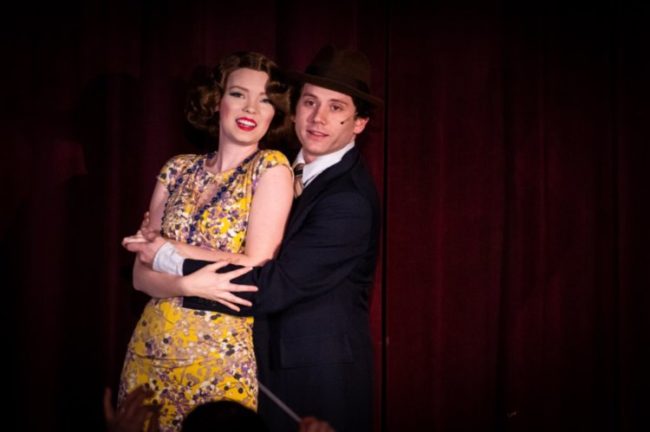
(318,256)
(316,259)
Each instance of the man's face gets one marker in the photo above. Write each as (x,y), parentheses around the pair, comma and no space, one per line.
(325,121)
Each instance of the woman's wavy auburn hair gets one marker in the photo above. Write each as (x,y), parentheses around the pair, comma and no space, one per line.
(209,85)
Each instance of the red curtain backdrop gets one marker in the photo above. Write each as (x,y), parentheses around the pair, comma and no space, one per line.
(511,157)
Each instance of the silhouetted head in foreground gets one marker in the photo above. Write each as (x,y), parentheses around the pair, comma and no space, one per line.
(223,416)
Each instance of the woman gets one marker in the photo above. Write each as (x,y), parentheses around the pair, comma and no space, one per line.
(234,201)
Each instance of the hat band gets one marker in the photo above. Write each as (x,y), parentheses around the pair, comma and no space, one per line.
(343,79)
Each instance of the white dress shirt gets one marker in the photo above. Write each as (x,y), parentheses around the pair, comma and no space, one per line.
(311,170)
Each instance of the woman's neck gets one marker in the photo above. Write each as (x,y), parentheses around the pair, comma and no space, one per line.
(229,157)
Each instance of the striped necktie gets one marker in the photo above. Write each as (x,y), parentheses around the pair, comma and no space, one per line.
(297,179)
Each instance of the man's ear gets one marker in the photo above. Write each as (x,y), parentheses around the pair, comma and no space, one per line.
(360,124)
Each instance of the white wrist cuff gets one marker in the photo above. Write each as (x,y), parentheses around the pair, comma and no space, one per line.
(168,260)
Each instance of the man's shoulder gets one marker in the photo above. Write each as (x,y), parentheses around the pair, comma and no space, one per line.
(362,177)
(354,186)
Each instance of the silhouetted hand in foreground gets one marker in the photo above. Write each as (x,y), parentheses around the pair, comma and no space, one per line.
(312,424)
(134,412)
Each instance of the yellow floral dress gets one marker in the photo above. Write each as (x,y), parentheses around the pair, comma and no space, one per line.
(190,356)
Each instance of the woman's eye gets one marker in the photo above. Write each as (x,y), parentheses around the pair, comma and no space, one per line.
(236,94)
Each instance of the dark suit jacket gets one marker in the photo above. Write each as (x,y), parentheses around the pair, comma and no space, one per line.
(315,298)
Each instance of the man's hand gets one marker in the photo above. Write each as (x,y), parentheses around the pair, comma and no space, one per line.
(208,284)
(145,247)
(145,242)
(130,417)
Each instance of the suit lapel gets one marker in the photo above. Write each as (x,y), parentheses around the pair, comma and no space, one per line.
(311,193)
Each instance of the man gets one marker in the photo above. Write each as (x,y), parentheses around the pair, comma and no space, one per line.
(315,295)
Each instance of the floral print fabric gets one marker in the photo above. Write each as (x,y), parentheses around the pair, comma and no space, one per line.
(188,356)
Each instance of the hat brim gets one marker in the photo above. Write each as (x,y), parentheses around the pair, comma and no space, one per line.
(334,85)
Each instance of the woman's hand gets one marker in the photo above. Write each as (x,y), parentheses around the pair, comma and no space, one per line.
(208,284)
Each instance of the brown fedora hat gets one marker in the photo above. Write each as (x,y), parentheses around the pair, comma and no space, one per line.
(345,71)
